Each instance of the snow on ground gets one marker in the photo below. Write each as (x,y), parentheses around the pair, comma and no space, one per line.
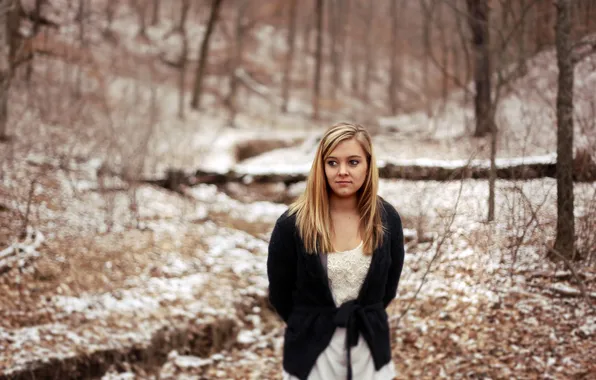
(458,321)
(232,267)
(469,273)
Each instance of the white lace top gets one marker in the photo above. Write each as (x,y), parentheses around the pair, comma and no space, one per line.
(346,271)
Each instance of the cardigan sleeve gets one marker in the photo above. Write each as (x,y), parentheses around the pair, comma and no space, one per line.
(281,269)
(396,235)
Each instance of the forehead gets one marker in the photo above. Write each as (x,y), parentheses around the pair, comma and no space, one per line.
(348,148)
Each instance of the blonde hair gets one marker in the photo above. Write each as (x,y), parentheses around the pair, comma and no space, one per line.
(313,218)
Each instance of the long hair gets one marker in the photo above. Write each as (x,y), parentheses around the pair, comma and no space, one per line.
(313,217)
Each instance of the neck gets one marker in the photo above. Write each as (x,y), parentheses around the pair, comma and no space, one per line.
(339,204)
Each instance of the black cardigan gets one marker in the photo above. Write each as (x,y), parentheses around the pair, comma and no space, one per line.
(299,291)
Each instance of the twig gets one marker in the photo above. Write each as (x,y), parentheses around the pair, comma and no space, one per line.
(264,338)
(527,226)
(437,253)
(28,209)
(578,280)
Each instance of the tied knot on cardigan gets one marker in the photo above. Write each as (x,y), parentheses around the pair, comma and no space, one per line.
(351,315)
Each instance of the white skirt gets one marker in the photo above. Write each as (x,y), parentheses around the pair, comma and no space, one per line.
(332,363)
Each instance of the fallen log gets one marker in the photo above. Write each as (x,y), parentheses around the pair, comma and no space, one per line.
(415,170)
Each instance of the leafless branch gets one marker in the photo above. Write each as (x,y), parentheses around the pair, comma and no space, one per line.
(28,208)
(578,280)
(438,249)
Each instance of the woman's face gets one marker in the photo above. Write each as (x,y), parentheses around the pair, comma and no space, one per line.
(346,168)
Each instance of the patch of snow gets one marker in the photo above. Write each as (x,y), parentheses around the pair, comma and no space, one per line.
(246,337)
(220,202)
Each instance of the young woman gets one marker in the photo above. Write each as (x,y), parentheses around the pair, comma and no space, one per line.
(335,258)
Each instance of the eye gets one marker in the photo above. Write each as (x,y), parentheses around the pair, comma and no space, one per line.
(331,163)
(354,162)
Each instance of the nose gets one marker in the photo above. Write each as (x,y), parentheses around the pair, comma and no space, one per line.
(343,169)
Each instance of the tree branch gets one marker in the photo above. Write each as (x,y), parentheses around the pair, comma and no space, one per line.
(578,280)
(579,55)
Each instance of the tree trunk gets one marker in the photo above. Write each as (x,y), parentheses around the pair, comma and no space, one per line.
(182,81)
(564,243)
(183,15)
(319,59)
(522,67)
(335,9)
(155,13)
(467,71)
(543,28)
(5,64)
(110,9)
(183,59)
(142,13)
(306,50)
(369,58)
(196,95)
(355,52)
(478,20)
(81,17)
(393,83)
(236,61)
(35,31)
(492,174)
(290,56)
(444,52)
(428,10)
(347,43)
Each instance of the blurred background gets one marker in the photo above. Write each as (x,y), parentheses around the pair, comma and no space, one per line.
(148,146)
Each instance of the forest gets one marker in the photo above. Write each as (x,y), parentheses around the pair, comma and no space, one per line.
(147,148)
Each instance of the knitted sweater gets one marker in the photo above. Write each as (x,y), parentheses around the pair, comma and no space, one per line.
(300,293)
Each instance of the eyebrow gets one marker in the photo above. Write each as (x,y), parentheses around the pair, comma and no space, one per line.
(352,156)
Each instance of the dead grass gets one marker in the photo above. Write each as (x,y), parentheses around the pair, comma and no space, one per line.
(251,148)
(92,264)
(256,229)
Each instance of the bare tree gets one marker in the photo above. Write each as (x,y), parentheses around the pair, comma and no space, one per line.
(565,240)
(467,69)
(185,6)
(319,59)
(5,70)
(441,16)
(522,67)
(82,19)
(478,20)
(347,40)
(155,12)
(394,41)
(141,9)
(110,10)
(10,11)
(183,58)
(354,48)
(543,31)
(182,77)
(369,52)
(35,31)
(336,43)
(292,12)
(236,61)
(197,90)
(428,10)
(307,26)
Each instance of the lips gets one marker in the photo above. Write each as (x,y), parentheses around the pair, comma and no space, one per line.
(343,182)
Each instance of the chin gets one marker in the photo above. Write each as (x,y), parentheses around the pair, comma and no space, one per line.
(343,193)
